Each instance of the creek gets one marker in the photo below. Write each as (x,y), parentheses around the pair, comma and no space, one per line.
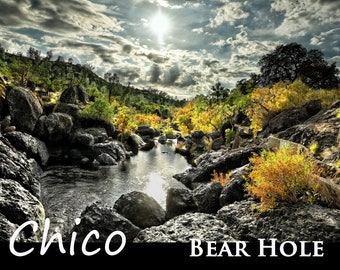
(67,190)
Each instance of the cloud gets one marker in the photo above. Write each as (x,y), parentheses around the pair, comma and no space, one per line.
(228,12)
(301,17)
(155,73)
(208,41)
(63,16)
(171,75)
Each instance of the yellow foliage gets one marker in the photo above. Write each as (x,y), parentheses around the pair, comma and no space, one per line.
(281,176)
(282,96)
(220,177)
(197,115)
(152,120)
(314,147)
(124,120)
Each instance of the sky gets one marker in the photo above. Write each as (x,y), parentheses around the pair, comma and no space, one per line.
(180,47)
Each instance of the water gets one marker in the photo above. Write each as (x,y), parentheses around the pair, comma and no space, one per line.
(66,191)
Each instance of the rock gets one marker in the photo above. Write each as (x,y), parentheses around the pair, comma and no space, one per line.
(14,165)
(74,95)
(55,127)
(59,126)
(285,120)
(185,227)
(115,149)
(82,138)
(89,123)
(106,159)
(206,196)
(24,109)
(146,131)
(141,209)
(134,143)
(234,189)
(179,201)
(99,134)
(105,220)
(291,222)
(18,205)
(32,146)
(70,109)
(7,229)
(221,161)
(323,128)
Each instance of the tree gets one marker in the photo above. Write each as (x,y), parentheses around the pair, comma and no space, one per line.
(219,92)
(112,79)
(289,62)
(49,56)
(246,86)
(33,54)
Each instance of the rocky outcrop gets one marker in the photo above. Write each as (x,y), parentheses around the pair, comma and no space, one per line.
(241,221)
(19,193)
(74,95)
(54,127)
(323,128)
(291,117)
(221,161)
(291,222)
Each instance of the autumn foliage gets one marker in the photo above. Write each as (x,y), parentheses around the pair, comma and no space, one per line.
(283,175)
(282,96)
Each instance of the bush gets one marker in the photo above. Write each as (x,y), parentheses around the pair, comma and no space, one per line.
(99,109)
(283,175)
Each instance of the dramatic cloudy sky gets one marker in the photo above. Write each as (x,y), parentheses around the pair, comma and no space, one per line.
(181,47)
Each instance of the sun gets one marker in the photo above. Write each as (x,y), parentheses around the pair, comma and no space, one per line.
(160,26)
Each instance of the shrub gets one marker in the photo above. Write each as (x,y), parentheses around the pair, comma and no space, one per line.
(220,177)
(98,109)
(283,175)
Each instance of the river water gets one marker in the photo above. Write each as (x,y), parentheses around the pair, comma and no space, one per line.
(67,190)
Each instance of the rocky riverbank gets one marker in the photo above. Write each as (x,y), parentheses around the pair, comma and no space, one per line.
(32,138)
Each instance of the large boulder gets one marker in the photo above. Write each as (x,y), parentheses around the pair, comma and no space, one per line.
(179,201)
(207,195)
(105,220)
(33,147)
(25,109)
(143,210)
(74,95)
(54,127)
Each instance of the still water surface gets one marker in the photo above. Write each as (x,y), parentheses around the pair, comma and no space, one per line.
(67,190)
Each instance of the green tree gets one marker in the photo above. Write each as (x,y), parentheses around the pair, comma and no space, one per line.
(292,61)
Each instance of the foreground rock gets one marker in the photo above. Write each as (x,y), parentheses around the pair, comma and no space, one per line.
(19,194)
(143,210)
(105,220)
(186,227)
(291,222)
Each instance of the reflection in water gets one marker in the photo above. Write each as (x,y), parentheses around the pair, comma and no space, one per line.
(66,191)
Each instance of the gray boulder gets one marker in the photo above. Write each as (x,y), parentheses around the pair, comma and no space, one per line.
(24,108)
(141,209)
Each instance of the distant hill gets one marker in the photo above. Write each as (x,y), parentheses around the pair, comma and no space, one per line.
(42,74)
